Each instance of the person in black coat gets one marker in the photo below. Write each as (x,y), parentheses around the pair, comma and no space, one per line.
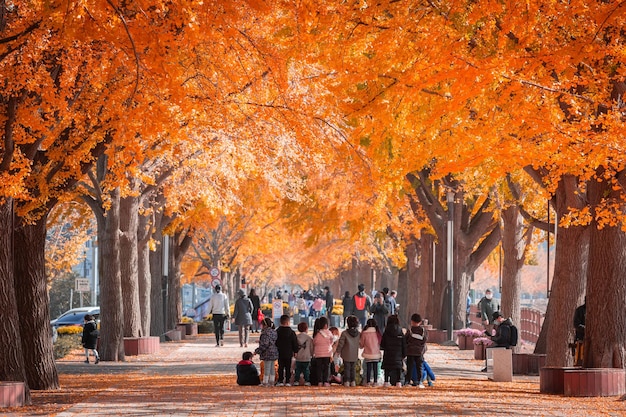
(247,373)
(90,338)
(393,345)
(287,344)
(256,305)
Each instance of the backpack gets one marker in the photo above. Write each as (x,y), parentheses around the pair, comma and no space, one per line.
(359,302)
(514,335)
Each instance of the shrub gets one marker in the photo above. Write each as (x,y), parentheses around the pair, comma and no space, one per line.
(66,330)
(64,345)
(186,320)
(205,326)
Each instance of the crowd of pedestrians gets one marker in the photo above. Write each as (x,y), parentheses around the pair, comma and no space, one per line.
(373,341)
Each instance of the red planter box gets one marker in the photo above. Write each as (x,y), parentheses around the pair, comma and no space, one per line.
(12,394)
(594,382)
(437,336)
(172,336)
(528,363)
(551,379)
(134,346)
(480,352)
(191,329)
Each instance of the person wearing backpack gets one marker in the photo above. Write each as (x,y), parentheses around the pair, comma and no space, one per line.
(506,332)
(361,304)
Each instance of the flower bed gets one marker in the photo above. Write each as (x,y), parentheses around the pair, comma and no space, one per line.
(480,346)
(465,338)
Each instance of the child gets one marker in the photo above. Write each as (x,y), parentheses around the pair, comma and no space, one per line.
(247,373)
(303,357)
(287,345)
(394,346)
(323,350)
(428,374)
(348,348)
(370,342)
(90,338)
(415,347)
(335,365)
(267,351)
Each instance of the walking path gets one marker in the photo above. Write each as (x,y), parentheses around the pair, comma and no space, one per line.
(195,378)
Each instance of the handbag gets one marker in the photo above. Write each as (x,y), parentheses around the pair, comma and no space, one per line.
(260,316)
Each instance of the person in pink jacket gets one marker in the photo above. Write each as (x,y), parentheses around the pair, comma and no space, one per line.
(322,350)
(370,342)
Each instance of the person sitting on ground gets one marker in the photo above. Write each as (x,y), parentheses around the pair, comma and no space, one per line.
(247,374)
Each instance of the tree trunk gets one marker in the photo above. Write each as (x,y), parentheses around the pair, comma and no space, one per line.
(568,282)
(12,363)
(605,324)
(157,287)
(111,307)
(129,218)
(31,294)
(515,240)
(173,289)
(143,272)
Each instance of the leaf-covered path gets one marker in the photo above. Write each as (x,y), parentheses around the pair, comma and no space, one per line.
(194,377)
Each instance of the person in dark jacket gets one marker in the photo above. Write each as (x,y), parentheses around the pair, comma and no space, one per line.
(346,301)
(90,338)
(415,348)
(502,337)
(287,344)
(394,346)
(256,306)
(243,317)
(247,374)
(380,311)
(330,302)
(360,305)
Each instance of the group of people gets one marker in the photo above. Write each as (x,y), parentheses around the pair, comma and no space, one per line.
(333,356)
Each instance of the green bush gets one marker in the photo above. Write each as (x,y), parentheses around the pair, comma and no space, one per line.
(205,326)
(65,344)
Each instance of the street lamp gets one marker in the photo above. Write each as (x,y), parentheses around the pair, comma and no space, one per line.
(451,261)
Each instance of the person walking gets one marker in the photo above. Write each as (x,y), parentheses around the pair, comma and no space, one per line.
(346,301)
(90,338)
(370,342)
(219,308)
(243,317)
(256,306)
(487,306)
(330,302)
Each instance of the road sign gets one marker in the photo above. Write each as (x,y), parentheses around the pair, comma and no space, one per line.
(81,285)
(216,281)
(214,272)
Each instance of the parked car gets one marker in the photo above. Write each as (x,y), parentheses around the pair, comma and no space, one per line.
(75,316)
